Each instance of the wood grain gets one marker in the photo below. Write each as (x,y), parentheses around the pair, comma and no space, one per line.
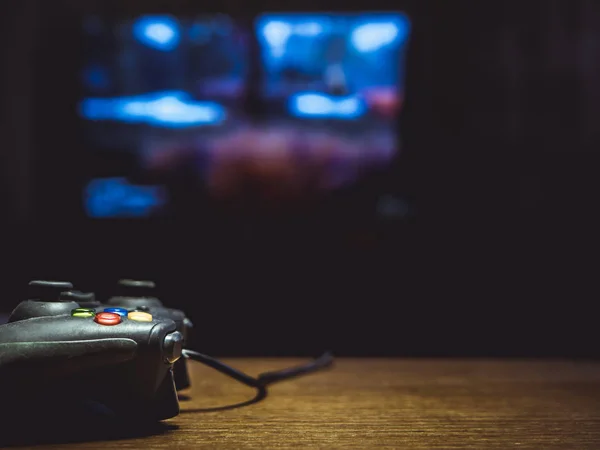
(389,403)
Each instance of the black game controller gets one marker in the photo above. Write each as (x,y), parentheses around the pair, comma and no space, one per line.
(64,351)
(138,298)
(52,348)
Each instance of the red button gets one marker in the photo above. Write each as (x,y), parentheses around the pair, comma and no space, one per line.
(107,318)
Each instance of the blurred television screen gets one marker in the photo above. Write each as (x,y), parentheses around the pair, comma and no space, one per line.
(334,84)
(167,97)
(335,66)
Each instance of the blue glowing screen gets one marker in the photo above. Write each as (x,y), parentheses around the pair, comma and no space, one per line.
(117,197)
(317,104)
(163,71)
(168,97)
(159,32)
(333,65)
(161,109)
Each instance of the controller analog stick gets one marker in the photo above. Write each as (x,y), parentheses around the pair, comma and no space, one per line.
(136,288)
(44,300)
(48,291)
(85,299)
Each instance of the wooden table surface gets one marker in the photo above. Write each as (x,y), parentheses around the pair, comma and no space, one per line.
(382,403)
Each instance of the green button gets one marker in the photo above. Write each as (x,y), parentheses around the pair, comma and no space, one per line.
(83,313)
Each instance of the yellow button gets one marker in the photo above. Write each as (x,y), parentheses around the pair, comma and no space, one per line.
(139,316)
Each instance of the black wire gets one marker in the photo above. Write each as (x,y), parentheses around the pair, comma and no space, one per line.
(322,362)
(263,380)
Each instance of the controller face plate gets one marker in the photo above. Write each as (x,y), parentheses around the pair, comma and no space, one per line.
(137,298)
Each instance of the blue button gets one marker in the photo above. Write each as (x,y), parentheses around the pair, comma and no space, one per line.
(120,311)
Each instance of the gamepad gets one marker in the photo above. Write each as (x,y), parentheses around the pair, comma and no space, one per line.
(139,297)
(59,351)
(52,348)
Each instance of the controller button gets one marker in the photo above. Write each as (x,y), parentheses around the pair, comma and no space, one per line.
(140,316)
(120,311)
(107,318)
(83,313)
(172,346)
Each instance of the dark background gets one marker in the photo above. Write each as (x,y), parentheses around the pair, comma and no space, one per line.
(500,169)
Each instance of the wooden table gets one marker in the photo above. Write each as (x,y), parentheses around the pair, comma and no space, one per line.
(385,403)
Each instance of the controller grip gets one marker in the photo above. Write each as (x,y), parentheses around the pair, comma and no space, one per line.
(162,405)
(166,402)
(64,357)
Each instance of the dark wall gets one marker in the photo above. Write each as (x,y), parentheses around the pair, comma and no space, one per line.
(515,186)
(17,22)
(501,138)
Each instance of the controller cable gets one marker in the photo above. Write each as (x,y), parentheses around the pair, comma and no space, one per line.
(261,382)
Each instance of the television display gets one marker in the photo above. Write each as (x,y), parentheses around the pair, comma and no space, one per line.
(166,99)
